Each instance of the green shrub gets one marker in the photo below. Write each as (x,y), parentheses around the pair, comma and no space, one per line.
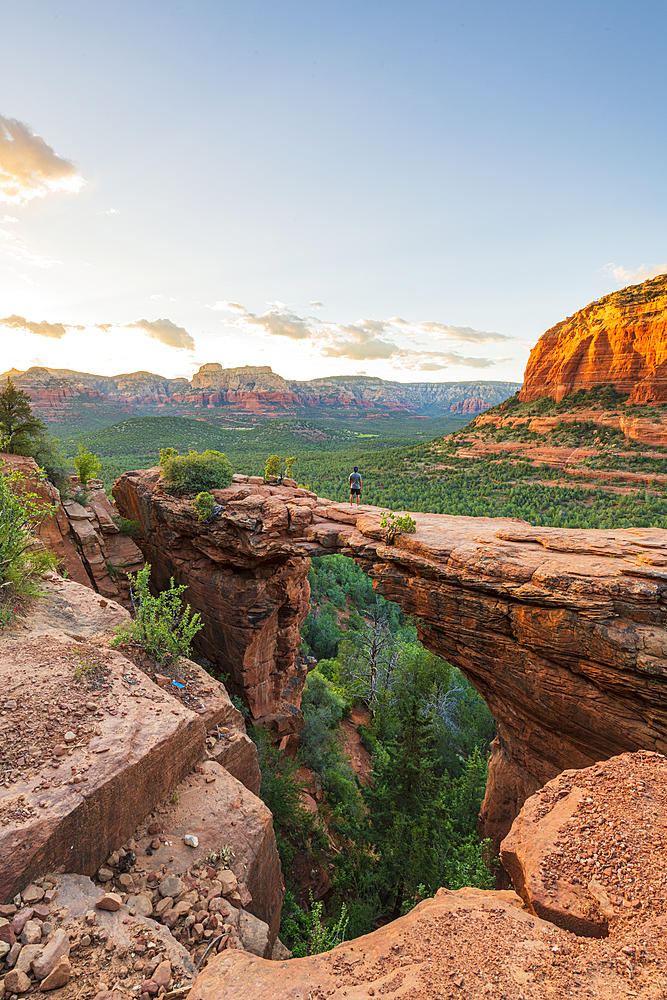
(20,512)
(204,504)
(395,524)
(318,936)
(88,466)
(195,473)
(161,626)
(273,467)
(127,527)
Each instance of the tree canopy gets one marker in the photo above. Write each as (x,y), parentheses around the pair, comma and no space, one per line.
(18,424)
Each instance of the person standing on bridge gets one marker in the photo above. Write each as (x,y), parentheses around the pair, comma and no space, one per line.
(355,486)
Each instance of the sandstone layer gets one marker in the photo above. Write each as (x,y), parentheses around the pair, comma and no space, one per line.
(620,340)
(57,393)
(561,631)
(84,753)
(85,537)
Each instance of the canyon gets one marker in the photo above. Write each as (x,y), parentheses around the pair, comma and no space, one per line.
(620,340)
(61,394)
(562,632)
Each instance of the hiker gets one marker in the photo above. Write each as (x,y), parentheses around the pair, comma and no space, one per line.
(355,486)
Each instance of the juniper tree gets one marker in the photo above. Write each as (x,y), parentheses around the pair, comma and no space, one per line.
(18,424)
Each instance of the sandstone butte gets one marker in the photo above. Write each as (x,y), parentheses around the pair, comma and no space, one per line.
(561,631)
(620,340)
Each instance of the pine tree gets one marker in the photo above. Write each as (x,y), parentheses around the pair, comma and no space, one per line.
(405,811)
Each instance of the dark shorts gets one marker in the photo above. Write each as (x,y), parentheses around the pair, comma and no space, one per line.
(355,492)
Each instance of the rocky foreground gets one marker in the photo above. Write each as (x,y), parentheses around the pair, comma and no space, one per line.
(562,631)
(588,854)
(137,861)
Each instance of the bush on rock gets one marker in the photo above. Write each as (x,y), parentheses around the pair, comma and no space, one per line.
(195,472)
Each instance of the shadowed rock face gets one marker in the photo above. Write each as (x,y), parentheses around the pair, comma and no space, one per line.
(620,340)
(561,631)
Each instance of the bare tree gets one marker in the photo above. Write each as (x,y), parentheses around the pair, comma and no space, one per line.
(370,670)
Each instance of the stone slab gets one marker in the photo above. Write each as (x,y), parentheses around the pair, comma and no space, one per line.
(69,804)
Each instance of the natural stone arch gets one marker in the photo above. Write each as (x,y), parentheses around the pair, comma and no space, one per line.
(561,631)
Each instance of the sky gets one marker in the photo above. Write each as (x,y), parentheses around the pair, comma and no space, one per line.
(412,190)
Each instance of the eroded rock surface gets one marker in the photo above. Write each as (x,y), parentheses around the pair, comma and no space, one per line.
(220,812)
(620,340)
(88,745)
(562,631)
(589,850)
(84,536)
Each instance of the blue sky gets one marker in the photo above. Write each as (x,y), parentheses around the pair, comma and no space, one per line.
(413,190)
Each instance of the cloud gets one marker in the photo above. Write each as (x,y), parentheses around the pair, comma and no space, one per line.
(165,331)
(462,334)
(17,249)
(222,306)
(280,324)
(406,344)
(29,167)
(317,305)
(110,211)
(44,329)
(625,276)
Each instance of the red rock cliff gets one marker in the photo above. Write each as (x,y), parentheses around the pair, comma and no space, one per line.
(620,340)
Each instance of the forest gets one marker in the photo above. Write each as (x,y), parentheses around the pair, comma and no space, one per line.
(422,475)
(413,827)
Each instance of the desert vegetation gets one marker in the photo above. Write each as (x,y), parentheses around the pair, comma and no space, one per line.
(22,559)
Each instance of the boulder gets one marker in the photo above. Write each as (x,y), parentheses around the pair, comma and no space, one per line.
(59,976)
(586,848)
(111,901)
(47,958)
(17,982)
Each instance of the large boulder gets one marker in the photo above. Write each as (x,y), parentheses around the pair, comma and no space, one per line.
(588,852)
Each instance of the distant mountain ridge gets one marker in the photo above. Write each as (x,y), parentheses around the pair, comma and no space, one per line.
(251,390)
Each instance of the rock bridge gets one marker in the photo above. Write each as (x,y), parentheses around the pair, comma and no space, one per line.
(563,632)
